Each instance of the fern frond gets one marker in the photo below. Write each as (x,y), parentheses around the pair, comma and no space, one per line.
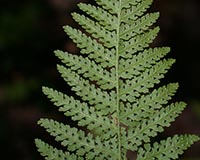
(105,79)
(118,102)
(167,149)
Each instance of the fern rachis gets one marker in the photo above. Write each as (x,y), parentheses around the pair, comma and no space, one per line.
(115,76)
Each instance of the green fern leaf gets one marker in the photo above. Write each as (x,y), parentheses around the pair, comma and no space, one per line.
(147,105)
(103,17)
(132,89)
(95,50)
(108,38)
(138,43)
(140,25)
(167,149)
(135,11)
(49,152)
(94,96)
(81,112)
(77,141)
(105,79)
(111,6)
(150,127)
(115,78)
(139,63)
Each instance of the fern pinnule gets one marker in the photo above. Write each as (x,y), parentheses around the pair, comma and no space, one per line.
(89,93)
(137,43)
(135,11)
(111,6)
(105,19)
(128,3)
(140,62)
(108,38)
(133,88)
(91,47)
(49,152)
(147,105)
(118,104)
(139,26)
(105,79)
(151,127)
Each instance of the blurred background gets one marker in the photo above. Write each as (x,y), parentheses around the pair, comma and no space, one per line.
(30,30)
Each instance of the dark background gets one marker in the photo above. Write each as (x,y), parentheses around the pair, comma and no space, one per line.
(31,30)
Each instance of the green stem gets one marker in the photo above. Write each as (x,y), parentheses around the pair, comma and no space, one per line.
(117,85)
